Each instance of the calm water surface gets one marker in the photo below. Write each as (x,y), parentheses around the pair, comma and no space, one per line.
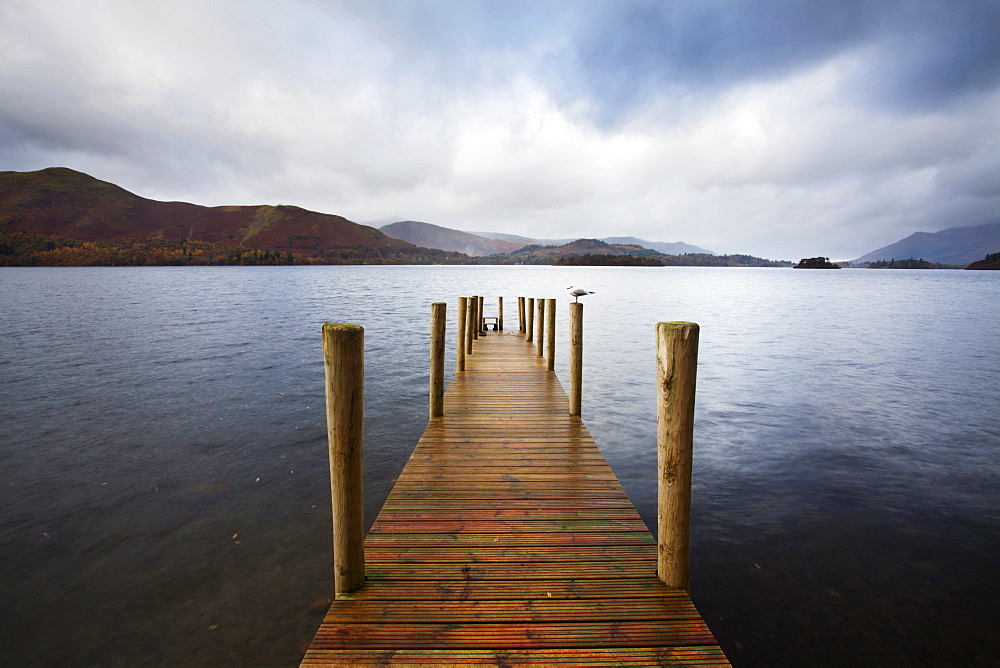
(164,478)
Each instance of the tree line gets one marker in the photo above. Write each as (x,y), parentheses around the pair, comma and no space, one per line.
(602,260)
(36,250)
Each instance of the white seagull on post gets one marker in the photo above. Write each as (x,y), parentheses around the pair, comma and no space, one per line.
(578,292)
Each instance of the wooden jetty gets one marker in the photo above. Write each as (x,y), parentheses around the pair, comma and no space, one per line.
(507,540)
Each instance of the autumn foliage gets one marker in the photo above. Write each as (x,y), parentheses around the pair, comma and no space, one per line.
(36,250)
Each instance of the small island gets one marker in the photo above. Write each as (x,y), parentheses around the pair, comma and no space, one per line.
(816,263)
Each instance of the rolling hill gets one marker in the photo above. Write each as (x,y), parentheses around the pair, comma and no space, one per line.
(955,246)
(62,203)
(665,247)
(527,241)
(443,238)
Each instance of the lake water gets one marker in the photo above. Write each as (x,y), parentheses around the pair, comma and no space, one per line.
(164,478)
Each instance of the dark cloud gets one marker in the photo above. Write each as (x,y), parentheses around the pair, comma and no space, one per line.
(922,54)
(975,179)
(626,53)
(929,55)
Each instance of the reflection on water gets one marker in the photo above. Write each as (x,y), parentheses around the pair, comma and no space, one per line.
(164,478)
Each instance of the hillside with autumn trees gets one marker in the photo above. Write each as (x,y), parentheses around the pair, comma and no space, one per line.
(61,217)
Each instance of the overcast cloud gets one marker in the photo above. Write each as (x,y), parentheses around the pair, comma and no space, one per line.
(778,128)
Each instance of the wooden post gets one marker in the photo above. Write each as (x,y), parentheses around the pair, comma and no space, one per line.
(463,305)
(530,311)
(540,326)
(344,357)
(477,322)
(470,318)
(575,357)
(439,312)
(500,313)
(676,370)
(482,312)
(520,314)
(550,317)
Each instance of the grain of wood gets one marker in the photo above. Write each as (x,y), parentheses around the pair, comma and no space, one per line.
(677,363)
(575,358)
(463,305)
(439,312)
(343,352)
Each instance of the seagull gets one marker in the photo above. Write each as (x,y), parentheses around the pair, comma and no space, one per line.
(578,292)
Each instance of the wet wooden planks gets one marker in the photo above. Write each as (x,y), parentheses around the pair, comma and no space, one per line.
(508,540)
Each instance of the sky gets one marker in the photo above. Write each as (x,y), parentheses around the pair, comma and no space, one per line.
(779,128)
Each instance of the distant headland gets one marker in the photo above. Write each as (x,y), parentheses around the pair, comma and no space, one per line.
(991,261)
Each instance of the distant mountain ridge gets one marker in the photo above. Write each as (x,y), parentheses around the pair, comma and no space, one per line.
(62,203)
(518,238)
(955,245)
(665,247)
(443,238)
(578,247)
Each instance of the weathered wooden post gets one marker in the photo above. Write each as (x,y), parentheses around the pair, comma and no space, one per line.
(482,312)
(520,314)
(530,311)
(439,312)
(344,363)
(575,357)
(500,313)
(676,370)
(463,305)
(476,318)
(470,318)
(550,317)
(540,325)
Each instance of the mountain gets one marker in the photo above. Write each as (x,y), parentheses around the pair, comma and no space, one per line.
(548,254)
(62,203)
(665,247)
(443,238)
(526,240)
(955,245)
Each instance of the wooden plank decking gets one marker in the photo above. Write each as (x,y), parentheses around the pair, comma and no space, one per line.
(508,540)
